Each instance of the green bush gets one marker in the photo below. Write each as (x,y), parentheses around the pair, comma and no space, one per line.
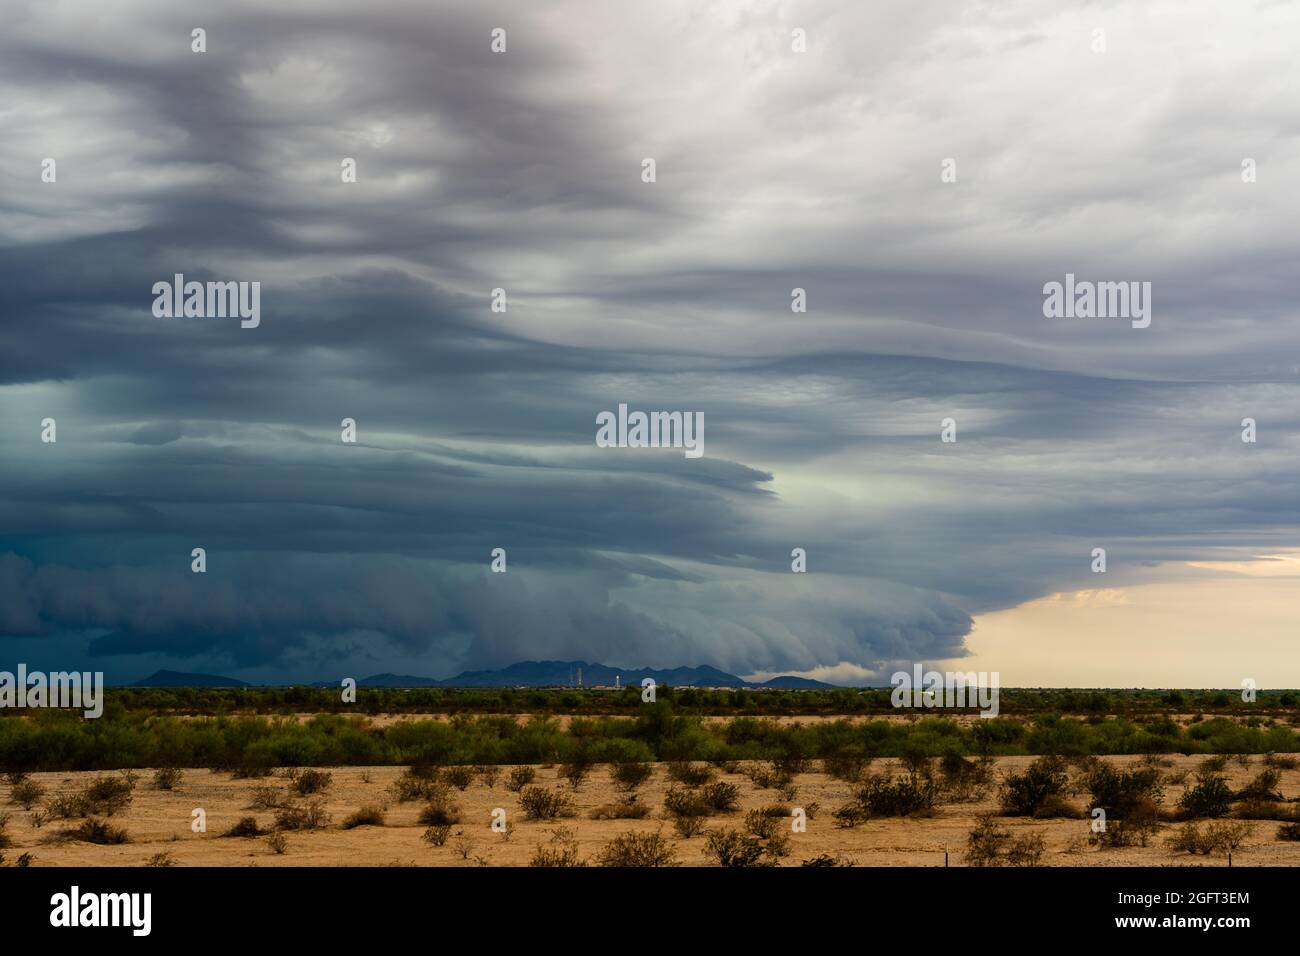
(732,848)
(366,816)
(168,778)
(638,849)
(1124,794)
(538,803)
(440,808)
(245,827)
(26,793)
(98,831)
(628,809)
(460,776)
(309,816)
(904,796)
(308,782)
(720,797)
(519,778)
(1023,793)
(630,774)
(1211,797)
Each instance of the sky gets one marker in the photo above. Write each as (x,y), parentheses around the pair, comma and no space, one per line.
(920,170)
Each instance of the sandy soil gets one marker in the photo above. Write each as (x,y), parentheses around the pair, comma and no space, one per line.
(159,821)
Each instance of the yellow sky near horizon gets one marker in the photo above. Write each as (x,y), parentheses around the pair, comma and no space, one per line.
(1212,624)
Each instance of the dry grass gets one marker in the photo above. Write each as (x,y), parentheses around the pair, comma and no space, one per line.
(159,821)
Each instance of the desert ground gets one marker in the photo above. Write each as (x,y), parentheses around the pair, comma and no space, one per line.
(159,822)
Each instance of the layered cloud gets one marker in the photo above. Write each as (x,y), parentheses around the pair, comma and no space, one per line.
(522,171)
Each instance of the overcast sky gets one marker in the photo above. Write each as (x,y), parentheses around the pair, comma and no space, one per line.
(774,170)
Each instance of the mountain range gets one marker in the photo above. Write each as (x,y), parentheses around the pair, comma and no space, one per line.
(522,674)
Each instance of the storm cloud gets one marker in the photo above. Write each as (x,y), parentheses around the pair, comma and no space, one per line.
(522,171)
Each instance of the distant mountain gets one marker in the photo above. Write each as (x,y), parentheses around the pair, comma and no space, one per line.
(180,679)
(395,680)
(565,673)
(795,683)
(523,674)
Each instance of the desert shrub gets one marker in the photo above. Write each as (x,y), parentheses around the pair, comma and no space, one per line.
(308,816)
(1225,835)
(963,779)
(1054,806)
(847,766)
(629,809)
(1022,793)
(538,803)
(312,781)
(900,797)
(252,770)
(1281,761)
(460,776)
(1263,787)
(791,763)
(1264,810)
(106,796)
(985,843)
(990,843)
(6,841)
(1218,836)
(1027,849)
(245,827)
(849,815)
(15,777)
(825,859)
(733,848)
(168,778)
(65,806)
(1117,834)
(688,826)
(24,860)
(689,774)
(638,849)
(437,835)
(1289,831)
(720,797)
(1212,765)
(267,798)
(519,778)
(278,843)
(440,808)
(769,778)
(1124,794)
(98,831)
(164,858)
(1211,797)
(684,803)
(414,784)
(489,774)
(26,793)
(575,771)
(761,825)
(562,851)
(630,774)
(366,816)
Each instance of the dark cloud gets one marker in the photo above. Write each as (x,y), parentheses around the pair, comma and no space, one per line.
(476,428)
